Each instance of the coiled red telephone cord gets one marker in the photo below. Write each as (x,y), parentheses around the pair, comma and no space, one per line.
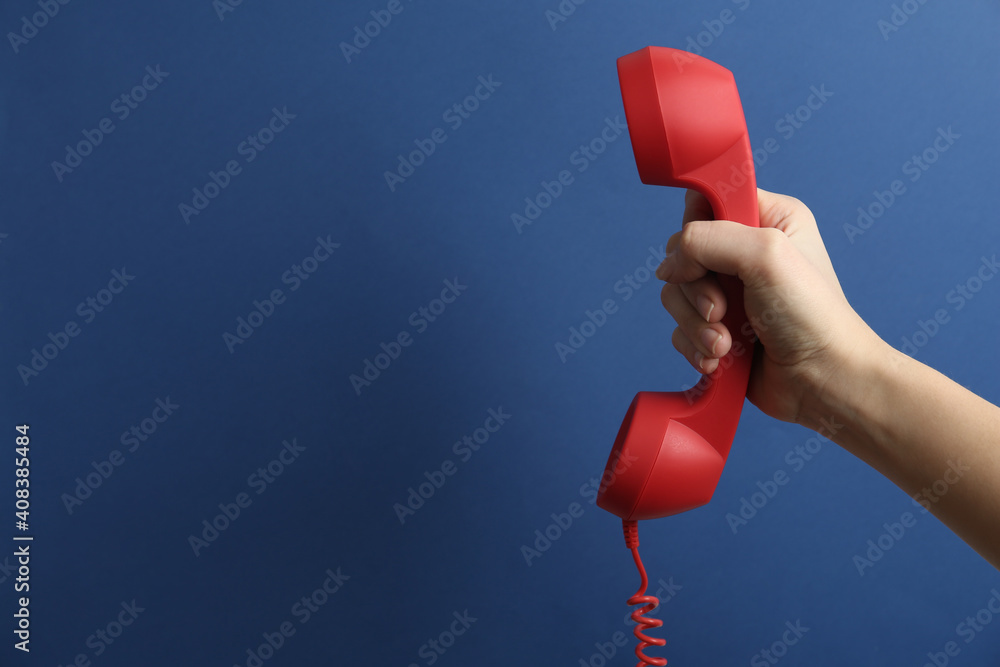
(650,603)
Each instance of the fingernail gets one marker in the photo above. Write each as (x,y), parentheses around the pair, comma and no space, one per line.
(705,306)
(710,338)
(700,360)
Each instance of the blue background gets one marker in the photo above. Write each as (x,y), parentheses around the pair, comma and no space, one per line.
(493,348)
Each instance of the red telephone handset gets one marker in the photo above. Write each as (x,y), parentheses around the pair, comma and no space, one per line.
(687,128)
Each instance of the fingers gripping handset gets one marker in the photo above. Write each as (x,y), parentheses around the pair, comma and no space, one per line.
(687,128)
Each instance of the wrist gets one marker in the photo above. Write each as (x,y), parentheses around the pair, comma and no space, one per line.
(847,398)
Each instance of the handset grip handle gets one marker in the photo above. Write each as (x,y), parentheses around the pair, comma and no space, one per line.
(730,186)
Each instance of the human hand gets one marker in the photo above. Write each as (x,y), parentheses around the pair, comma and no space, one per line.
(793,301)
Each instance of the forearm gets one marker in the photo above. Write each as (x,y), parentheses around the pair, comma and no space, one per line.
(933,438)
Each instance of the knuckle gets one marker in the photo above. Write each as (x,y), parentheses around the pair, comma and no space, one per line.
(772,245)
(673,241)
(665,295)
(690,237)
(772,239)
(669,297)
(793,207)
(795,204)
(679,340)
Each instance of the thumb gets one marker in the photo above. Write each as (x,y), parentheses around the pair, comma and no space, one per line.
(722,246)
